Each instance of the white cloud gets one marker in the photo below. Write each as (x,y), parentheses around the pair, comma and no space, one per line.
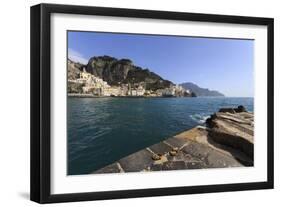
(76,56)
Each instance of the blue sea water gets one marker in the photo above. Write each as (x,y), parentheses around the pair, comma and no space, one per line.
(103,130)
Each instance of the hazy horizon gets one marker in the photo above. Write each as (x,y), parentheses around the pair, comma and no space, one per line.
(224,65)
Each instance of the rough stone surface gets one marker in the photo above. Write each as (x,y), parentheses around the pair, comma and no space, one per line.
(160,148)
(234,130)
(137,161)
(112,168)
(227,141)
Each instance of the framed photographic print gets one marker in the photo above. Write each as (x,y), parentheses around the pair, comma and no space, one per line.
(132,103)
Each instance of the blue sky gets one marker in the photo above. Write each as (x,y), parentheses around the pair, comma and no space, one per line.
(226,65)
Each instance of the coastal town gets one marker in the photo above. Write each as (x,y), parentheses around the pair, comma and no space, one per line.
(89,85)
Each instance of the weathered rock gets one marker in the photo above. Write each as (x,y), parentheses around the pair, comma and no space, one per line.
(73,70)
(229,110)
(239,109)
(233,129)
(76,88)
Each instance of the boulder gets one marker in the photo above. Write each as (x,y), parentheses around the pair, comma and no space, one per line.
(233,129)
(229,110)
(239,109)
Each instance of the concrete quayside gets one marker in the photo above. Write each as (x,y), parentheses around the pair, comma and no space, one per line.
(227,140)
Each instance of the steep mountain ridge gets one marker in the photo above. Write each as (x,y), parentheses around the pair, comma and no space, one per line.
(116,72)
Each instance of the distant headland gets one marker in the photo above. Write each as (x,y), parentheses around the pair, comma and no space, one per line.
(200,91)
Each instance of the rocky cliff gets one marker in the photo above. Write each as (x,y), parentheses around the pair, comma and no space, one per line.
(116,72)
(73,69)
(200,91)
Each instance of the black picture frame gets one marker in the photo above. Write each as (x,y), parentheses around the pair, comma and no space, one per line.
(41,98)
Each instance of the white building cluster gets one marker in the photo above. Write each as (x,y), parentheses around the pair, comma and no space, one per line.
(96,86)
(174,90)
